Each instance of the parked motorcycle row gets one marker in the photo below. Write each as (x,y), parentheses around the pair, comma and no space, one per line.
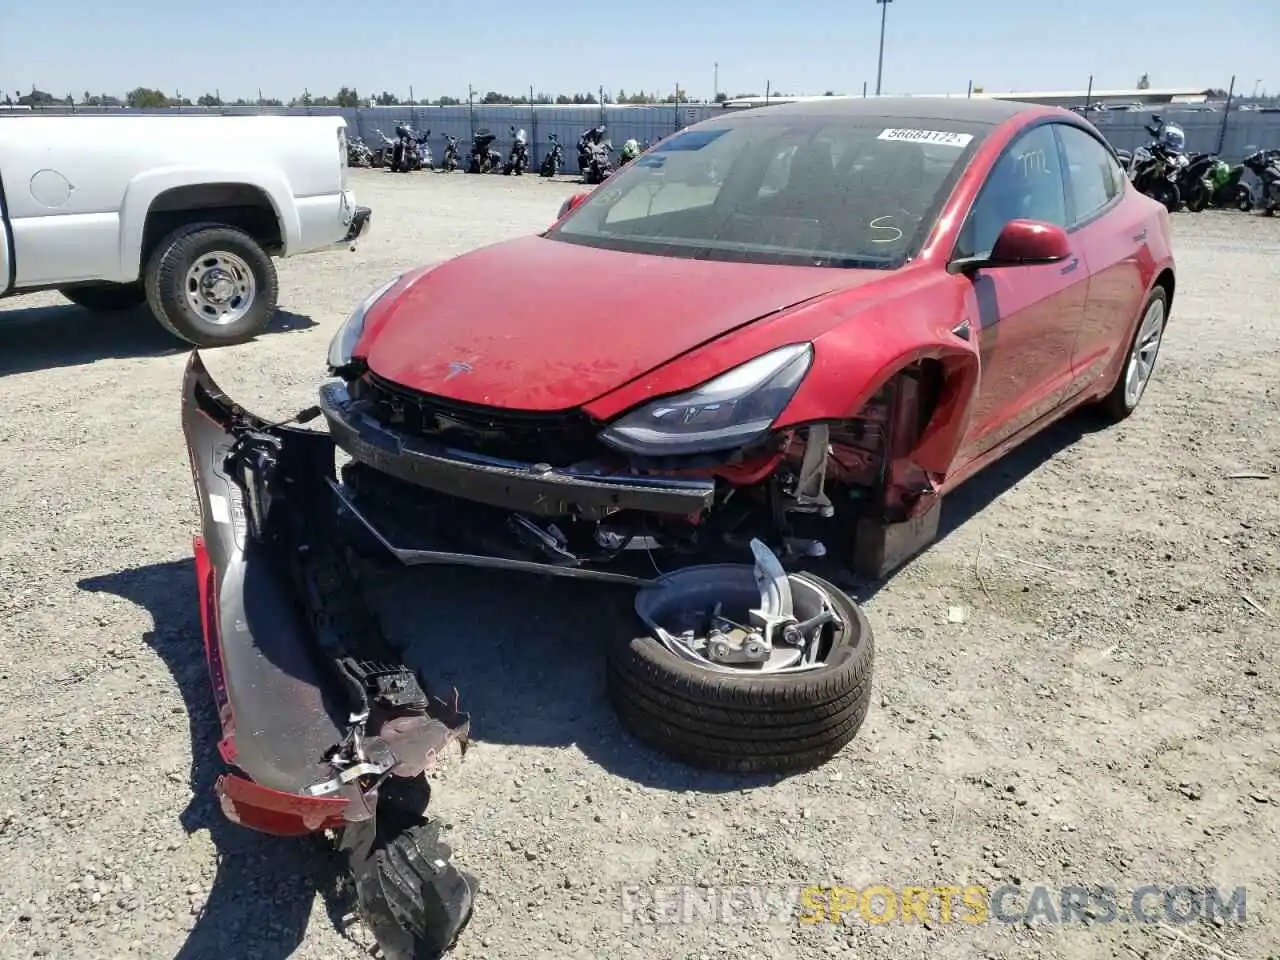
(1164,171)
(409,151)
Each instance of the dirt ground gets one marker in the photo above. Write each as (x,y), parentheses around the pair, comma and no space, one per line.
(1076,686)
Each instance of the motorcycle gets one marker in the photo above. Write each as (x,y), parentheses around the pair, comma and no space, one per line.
(1265,165)
(591,138)
(1156,168)
(358,153)
(484,159)
(1208,180)
(600,165)
(518,161)
(554,160)
(630,150)
(410,151)
(450,162)
(1230,191)
(383,154)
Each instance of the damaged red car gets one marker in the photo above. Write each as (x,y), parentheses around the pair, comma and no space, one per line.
(772,342)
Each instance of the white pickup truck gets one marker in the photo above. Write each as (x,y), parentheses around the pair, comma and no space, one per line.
(183,213)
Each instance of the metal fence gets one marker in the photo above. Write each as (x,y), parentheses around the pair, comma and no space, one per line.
(1210,130)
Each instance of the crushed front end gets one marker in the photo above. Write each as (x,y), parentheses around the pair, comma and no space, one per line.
(438,475)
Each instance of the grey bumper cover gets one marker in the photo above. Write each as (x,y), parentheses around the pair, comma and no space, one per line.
(530,488)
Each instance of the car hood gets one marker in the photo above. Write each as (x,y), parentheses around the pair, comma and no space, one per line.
(538,324)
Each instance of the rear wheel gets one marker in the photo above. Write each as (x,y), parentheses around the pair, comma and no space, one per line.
(211,285)
(1140,362)
(106,297)
(1197,198)
(1243,198)
(1167,193)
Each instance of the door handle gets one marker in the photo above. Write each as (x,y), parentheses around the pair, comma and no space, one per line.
(1075,262)
(963,331)
(1138,238)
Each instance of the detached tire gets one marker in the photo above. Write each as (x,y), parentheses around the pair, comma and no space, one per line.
(211,285)
(106,297)
(744,723)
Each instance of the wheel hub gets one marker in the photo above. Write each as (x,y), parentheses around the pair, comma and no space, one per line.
(740,618)
(220,287)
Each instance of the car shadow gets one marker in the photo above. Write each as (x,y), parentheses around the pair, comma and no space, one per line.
(65,335)
(262,896)
(985,487)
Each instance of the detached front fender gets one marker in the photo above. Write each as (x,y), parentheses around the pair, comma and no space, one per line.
(143,190)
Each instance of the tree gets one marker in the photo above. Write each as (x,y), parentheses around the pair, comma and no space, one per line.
(385,99)
(209,100)
(36,98)
(347,97)
(141,98)
(721,97)
(448,102)
(1144,82)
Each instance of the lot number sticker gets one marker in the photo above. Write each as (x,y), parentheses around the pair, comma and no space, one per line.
(941,137)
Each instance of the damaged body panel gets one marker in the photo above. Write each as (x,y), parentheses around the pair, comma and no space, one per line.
(319,716)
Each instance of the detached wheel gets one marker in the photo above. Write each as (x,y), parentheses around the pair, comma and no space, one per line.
(106,297)
(741,719)
(211,285)
(1140,361)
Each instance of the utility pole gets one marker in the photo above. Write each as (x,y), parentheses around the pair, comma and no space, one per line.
(715,91)
(884,13)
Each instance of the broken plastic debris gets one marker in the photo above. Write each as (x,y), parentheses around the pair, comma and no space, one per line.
(957,615)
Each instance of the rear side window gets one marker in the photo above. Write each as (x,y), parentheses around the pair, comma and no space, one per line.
(1092,172)
(1025,184)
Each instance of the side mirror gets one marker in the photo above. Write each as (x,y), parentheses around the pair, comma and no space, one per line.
(572,204)
(1022,243)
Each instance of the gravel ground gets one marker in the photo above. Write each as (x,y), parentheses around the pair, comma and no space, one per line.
(1072,686)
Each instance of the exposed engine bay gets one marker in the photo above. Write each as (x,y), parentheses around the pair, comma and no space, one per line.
(541,487)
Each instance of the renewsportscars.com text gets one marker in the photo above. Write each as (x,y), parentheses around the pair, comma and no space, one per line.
(940,903)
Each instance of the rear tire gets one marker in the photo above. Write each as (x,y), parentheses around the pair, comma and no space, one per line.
(1244,198)
(747,723)
(1197,198)
(176,285)
(1123,400)
(106,297)
(1166,193)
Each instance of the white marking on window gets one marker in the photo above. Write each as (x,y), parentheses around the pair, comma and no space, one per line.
(879,224)
(943,138)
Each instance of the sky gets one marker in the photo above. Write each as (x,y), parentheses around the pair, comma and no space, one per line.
(237,47)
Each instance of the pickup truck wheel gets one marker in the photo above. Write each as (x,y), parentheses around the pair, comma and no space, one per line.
(106,297)
(211,285)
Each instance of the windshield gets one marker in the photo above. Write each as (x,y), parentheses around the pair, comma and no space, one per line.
(822,191)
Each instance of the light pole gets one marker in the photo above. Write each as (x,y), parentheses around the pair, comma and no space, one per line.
(884,13)
(715,94)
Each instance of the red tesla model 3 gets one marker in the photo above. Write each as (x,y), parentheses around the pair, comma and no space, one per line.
(819,315)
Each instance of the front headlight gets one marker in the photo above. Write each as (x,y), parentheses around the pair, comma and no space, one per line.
(723,413)
(344,341)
